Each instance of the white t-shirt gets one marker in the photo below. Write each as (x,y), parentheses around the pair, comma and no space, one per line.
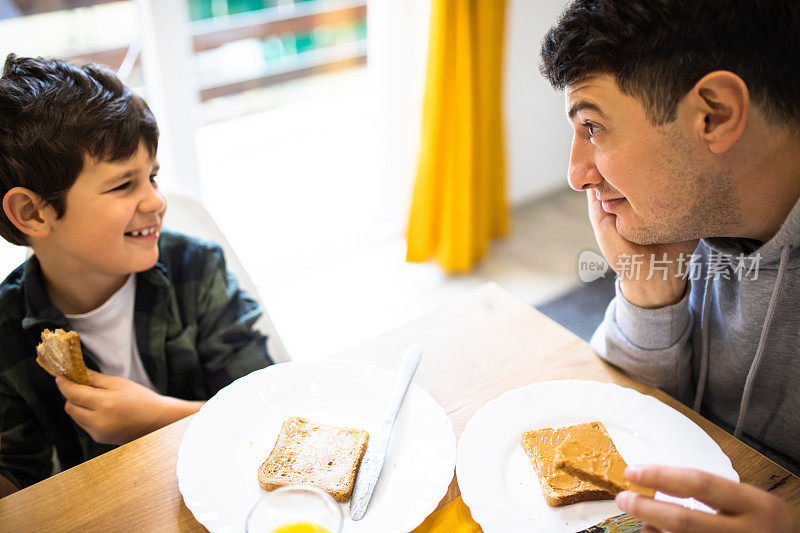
(108,332)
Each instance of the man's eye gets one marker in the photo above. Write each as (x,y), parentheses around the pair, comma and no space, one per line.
(592,128)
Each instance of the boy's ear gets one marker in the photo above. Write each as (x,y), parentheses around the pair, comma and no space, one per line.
(24,208)
(719,103)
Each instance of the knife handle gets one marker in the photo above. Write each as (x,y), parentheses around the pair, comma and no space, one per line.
(408,366)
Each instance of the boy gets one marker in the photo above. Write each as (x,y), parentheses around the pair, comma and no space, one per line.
(163,326)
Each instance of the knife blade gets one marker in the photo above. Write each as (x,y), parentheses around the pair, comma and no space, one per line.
(622,523)
(372,464)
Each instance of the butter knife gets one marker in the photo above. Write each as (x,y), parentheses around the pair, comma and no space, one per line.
(372,464)
(622,523)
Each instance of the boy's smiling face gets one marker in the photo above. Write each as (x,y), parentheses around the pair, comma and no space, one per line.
(112,219)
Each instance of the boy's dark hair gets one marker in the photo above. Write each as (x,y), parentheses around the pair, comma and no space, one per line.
(657,50)
(52,115)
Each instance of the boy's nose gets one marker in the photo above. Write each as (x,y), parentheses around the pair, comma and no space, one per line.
(154,201)
(583,173)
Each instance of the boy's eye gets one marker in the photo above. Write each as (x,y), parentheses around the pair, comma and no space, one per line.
(153,177)
(122,187)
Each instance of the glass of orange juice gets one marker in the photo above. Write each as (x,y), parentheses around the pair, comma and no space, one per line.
(295,509)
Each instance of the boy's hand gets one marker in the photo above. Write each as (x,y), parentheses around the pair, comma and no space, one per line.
(115,410)
(741,507)
(633,273)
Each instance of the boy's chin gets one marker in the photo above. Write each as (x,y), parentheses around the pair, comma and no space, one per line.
(145,265)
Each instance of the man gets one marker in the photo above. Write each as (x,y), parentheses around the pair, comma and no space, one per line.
(687,139)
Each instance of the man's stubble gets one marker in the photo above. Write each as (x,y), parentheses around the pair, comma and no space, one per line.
(700,199)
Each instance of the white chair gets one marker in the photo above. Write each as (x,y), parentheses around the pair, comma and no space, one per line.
(187,215)
(11,256)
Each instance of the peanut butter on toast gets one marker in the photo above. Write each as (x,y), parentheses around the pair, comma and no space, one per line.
(559,488)
(307,453)
(589,454)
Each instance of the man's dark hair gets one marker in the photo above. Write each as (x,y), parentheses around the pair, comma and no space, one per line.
(52,115)
(657,50)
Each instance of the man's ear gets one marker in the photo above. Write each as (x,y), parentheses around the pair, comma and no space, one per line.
(720,103)
(25,209)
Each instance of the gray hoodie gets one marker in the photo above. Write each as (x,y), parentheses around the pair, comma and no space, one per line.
(731,347)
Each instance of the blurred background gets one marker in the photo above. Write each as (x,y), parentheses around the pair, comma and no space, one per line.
(297,124)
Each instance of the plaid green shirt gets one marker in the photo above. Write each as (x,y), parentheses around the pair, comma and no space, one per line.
(193,328)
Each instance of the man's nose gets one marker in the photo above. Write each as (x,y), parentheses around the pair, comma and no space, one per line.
(583,173)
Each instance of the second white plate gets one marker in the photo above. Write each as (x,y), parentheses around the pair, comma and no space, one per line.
(500,486)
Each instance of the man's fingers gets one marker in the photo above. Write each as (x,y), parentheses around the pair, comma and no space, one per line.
(671,517)
(604,226)
(599,218)
(594,204)
(715,491)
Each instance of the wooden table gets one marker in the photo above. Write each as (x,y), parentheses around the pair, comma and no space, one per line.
(475,350)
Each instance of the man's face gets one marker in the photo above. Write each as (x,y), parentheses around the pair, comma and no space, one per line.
(113,217)
(656,180)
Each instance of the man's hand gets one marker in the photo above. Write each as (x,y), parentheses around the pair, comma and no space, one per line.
(741,508)
(643,292)
(115,410)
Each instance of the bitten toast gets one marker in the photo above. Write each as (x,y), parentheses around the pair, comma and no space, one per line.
(60,354)
(589,454)
(307,453)
(559,488)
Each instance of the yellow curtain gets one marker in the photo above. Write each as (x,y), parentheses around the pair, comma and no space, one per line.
(459,198)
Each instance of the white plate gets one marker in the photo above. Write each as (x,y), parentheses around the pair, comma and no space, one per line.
(499,484)
(234,432)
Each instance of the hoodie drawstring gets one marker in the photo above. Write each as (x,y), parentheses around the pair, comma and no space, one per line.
(751,374)
(701,382)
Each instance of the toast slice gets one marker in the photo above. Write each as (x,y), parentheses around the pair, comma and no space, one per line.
(60,354)
(559,488)
(307,453)
(588,453)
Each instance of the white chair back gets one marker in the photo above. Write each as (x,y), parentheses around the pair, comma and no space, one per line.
(11,256)
(187,215)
